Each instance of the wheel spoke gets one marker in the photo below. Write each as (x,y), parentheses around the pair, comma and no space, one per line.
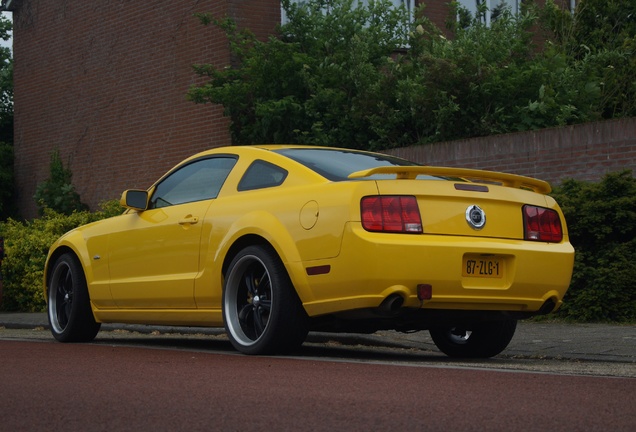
(60,296)
(61,289)
(244,313)
(459,335)
(264,284)
(65,285)
(266,304)
(253,316)
(64,298)
(259,327)
(68,282)
(458,331)
(66,313)
(249,284)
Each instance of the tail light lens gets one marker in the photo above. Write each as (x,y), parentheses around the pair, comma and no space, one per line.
(542,224)
(388,213)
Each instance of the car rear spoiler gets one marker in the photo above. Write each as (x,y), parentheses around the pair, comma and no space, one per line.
(473,175)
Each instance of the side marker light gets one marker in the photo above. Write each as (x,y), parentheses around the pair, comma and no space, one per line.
(424,291)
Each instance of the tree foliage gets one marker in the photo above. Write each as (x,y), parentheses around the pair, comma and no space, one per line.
(6,83)
(6,123)
(371,76)
(318,82)
(601,35)
(57,192)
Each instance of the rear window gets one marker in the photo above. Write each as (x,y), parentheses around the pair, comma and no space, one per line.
(338,164)
(261,175)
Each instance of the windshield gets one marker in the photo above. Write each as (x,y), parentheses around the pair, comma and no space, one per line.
(337,164)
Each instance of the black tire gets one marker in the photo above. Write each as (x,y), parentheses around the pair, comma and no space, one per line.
(481,340)
(69,309)
(261,310)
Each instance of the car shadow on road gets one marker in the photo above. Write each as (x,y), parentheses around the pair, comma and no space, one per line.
(316,347)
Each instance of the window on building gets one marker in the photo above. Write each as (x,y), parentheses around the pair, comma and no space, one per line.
(408,4)
(488,10)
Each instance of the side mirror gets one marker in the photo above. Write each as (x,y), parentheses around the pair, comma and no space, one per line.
(134,199)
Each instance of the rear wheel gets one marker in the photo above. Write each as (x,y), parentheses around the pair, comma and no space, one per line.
(481,340)
(261,310)
(69,310)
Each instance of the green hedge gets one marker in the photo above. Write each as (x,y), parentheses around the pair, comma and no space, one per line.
(602,225)
(26,245)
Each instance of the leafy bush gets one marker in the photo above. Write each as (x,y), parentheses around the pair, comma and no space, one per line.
(57,192)
(26,247)
(602,226)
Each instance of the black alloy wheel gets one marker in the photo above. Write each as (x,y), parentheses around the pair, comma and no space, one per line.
(69,310)
(261,310)
(480,340)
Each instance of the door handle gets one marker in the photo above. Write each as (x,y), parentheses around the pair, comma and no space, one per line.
(189,220)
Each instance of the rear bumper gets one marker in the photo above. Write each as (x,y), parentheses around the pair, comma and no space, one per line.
(374,266)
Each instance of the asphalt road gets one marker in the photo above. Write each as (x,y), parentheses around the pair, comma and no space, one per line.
(184,385)
(552,377)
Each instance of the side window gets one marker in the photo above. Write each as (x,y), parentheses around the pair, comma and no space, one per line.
(197,181)
(261,175)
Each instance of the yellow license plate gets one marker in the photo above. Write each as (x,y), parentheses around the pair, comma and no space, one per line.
(482,266)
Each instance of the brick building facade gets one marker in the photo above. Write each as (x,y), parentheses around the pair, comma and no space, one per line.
(105,82)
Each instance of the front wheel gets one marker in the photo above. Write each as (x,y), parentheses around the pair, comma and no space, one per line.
(481,340)
(261,310)
(69,309)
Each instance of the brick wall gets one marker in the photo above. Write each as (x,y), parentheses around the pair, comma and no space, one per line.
(583,152)
(260,16)
(436,11)
(105,83)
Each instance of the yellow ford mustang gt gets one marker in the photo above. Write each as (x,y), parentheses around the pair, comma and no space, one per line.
(274,241)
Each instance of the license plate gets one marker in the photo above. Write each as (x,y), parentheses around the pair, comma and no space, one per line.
(482,266)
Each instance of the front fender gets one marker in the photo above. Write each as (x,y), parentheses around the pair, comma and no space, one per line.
(89,244)
(72,241)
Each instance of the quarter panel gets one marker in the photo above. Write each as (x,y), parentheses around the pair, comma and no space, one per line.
(279,216)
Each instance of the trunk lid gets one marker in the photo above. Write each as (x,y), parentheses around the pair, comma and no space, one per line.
(453,205)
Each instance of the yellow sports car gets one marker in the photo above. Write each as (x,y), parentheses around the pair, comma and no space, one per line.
(273,241)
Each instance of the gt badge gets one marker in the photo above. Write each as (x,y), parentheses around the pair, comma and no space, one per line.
(475,217)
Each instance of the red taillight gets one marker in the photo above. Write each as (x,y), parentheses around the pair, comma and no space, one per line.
(386,213)
(541,224)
